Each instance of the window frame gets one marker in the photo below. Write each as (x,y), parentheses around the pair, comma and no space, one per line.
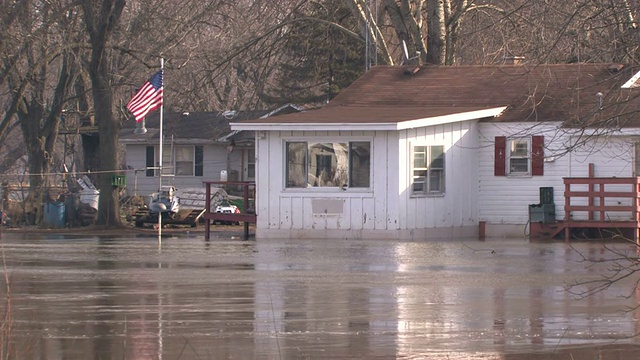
(251,163)
(510,156)
(427,169)
(169,163)
(308,144)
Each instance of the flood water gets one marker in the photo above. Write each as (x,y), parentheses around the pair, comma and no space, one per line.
(129,298)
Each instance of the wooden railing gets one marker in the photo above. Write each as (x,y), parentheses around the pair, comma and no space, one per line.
(601,202)
(247,217)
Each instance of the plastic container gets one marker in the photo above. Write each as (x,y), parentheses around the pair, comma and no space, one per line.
(54,215)
(71,207)
(90,197)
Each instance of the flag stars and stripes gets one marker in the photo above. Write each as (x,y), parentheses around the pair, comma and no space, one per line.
(148,98)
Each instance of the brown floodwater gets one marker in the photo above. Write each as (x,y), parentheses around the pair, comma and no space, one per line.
(67,297)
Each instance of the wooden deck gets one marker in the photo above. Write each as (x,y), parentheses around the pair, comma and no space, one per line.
(600,207)
(249,194)
(599,203)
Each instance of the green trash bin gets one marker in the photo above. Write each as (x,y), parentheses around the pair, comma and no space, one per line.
(546,195)
(54,215)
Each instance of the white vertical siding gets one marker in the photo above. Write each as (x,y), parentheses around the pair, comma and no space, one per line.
(291,210)
(263,181)
(472,192)
(457,206)
(386,208)
(384,167)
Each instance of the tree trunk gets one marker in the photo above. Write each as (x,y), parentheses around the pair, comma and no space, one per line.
(371,29)
(437,30)
(109,209)
(100,20)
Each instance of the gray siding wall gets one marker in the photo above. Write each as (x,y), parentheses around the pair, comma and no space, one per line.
(214,161)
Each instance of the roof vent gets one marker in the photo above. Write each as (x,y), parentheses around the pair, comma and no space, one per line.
(229,114)
(513,60)
(411,70)
(614,68)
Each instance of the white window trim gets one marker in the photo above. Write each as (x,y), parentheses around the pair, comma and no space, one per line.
(426,193)
(529,141)
(327,189)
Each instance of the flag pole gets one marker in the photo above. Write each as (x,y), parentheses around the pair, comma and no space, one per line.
(161,158)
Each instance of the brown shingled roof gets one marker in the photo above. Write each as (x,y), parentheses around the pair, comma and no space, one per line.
(209,126)
(559,92)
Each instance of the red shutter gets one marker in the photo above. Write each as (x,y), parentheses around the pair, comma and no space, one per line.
(537,155)
(499,166)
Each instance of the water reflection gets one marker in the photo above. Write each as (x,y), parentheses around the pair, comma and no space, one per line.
(126,298)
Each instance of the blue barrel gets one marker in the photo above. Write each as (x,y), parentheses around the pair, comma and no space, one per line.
(54,215)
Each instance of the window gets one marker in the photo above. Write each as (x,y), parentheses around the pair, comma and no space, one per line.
(178,160)
(519,156)
(251,164)
(150,161)
(428,170)
(328,164)
(184,163)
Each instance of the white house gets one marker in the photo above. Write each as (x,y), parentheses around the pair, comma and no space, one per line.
(438,151)
(197,147)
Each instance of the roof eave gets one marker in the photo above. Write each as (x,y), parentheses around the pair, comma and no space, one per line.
(310,126)
(452,118)
(377,126)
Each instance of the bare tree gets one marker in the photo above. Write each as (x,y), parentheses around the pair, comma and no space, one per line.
(101,19)
(429,28)
(622,266)
(38,77)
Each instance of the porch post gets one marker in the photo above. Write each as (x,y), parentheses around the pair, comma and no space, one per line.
(591,189)
(636,213)
(207,210)
(567,212)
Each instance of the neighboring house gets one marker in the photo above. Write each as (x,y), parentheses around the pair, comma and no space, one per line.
(436,151)
(197,147)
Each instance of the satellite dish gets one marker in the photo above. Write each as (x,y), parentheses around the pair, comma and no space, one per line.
(405,51)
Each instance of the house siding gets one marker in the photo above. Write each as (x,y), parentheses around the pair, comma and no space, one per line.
(505,200)
(290,212)
(387,209)
(457,207)
(214,161)
(473,192)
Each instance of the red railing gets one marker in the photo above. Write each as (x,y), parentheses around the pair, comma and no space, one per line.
(601,203)
(247,217)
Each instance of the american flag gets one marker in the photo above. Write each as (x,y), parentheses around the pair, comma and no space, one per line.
(148,98)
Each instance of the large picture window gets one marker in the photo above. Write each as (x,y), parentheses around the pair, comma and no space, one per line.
(328,164)
(428,170)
